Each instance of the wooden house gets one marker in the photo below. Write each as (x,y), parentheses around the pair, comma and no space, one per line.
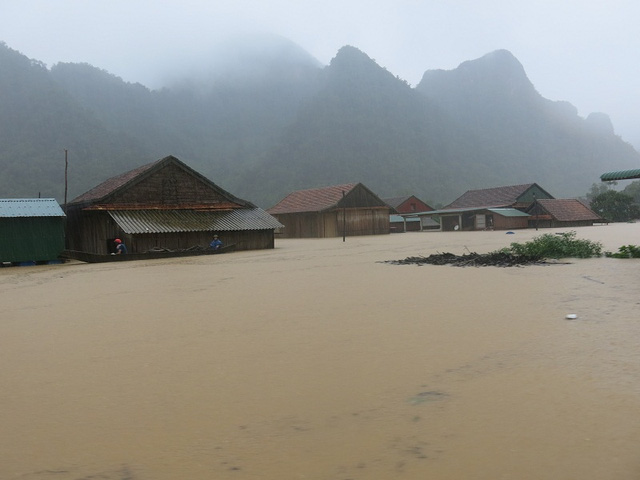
(164,205)
(349,209)
(499,208)
(409,204)
(32,230)
(561,212)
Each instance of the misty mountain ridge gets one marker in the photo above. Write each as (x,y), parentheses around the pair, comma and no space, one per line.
(272,119)
(245,61)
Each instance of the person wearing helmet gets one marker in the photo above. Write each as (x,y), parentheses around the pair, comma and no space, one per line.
(121,248)
(216,243)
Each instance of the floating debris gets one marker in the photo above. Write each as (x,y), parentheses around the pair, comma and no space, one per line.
(472,259)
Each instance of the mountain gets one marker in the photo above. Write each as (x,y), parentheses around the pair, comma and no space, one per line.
(262,118)
(530,138)
(363,125)
(39,119)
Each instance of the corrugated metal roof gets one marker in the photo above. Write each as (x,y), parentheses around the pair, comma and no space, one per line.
(173,221)
(620,175)
(509,212)
(398,218)
(504,211)
(30,207)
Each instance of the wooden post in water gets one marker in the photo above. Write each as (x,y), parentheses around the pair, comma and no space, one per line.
(344,218)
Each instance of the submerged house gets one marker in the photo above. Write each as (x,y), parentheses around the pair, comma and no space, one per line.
(499,208)
(349,209)
(164,205)
(32,230)
(409,204)
(561,212)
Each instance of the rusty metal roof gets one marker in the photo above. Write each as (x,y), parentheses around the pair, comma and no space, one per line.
(30,207)
(174,221)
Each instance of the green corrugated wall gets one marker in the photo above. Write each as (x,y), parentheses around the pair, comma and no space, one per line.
(25,239)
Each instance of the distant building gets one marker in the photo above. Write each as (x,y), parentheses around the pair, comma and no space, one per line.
(32,230)
(164,204)
(349,209)
(561,212)
(407,204)
(499,208)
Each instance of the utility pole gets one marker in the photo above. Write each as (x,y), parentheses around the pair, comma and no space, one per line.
(66,168)
(535,205)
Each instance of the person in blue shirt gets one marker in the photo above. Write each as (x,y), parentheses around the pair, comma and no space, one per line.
(121,248)
(216,243)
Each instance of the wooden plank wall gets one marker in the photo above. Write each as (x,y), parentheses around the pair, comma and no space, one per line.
(359,221)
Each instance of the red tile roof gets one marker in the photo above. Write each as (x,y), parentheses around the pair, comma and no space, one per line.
(112,184)
(312,200)
(491,197)
(568,209)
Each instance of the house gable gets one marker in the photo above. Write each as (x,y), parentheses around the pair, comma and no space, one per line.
(361,197)
(170,185)
(167,183)
(408,204)
(533,193)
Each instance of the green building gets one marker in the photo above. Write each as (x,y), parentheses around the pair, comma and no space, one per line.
(31,230)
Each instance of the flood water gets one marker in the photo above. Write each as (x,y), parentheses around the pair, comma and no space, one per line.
(317,361)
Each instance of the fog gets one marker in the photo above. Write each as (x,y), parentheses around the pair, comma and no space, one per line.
(581,52)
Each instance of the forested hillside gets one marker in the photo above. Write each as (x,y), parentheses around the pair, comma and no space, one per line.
(39,119)
(531,138)
(268,124)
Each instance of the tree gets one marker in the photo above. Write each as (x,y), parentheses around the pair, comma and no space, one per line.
(615,206)
(599,188)
(633,190)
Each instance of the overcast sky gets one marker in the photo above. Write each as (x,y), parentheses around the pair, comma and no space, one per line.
(586,52)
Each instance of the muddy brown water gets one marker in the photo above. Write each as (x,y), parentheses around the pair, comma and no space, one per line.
(317,361)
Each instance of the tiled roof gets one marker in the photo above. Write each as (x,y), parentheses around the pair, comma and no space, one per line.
(396,201)
(490,197)
(112,184)
(312,200)
(30,207)
(568,209)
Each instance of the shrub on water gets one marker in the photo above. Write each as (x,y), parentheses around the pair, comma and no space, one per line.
(625,251)
(563,245)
